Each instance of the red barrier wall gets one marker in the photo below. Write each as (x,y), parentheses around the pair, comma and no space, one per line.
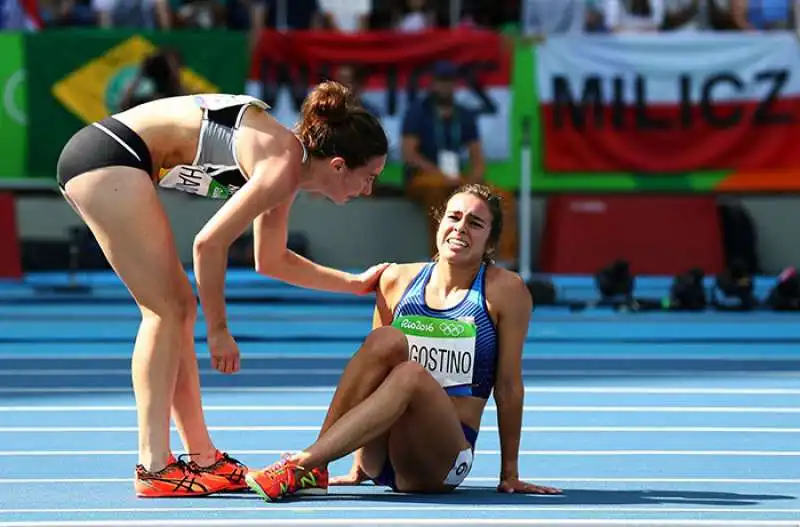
(10,258)
(656,234)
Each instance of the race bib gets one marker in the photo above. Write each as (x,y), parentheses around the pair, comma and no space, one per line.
(194,180)
(444,347)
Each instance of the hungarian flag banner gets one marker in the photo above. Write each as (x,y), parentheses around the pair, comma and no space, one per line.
(396,70)
(672,103)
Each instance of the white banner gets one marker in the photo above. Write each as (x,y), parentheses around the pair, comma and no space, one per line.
(669,68)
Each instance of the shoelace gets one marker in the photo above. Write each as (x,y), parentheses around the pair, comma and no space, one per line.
(280,465)
(227,459)
(189,466)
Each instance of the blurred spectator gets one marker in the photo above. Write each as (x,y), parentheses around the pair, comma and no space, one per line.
(68,13)
(199,14)
(354,77)
(633,15)
(750,15)
(347,16)
(20,15)
(159,76)
(382,14)
(138,14)
(237,14)
(494,13)
(438,133)
(284,15)
(685,15)
(595,17)
(547,17)
(298,14)
(416,15)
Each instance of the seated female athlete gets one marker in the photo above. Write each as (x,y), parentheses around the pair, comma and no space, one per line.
(216,146)
(411,399)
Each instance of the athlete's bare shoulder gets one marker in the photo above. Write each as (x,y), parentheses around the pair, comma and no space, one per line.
(263,134)
(503,280)
(396,278)
(505,290)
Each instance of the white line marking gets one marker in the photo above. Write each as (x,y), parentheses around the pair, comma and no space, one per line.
(645,390)
(118,372)
(128,390)
(315,428)
(749,481)
(765,481)
(301,372)
(490,408)
(389,522)
(41,357)
(735,453)
(406,507)
(642,390)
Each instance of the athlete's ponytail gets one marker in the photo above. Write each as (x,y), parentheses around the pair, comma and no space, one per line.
(334,125)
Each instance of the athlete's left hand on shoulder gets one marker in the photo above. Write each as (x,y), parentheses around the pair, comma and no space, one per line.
(367,281)
(515,486)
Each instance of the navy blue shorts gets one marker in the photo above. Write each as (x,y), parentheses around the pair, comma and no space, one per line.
(386,477)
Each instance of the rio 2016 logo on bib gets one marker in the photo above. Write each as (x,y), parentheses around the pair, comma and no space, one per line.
(444,347)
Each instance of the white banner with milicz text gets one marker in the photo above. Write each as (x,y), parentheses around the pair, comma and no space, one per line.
(669,103)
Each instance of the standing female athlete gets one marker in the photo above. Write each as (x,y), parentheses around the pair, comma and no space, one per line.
(411,400)
(217,146)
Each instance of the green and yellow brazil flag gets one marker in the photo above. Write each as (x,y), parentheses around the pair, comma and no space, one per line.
(78,77)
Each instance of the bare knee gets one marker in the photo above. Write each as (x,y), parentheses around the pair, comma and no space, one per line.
(178,308)
(410,375)
(386,345)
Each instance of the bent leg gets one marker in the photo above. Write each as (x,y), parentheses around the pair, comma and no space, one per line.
(409,399)
(408,388)
(122,209)
(383,349)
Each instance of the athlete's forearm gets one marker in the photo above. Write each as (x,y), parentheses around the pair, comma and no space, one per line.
(509,421)
(210,264)
(296,270)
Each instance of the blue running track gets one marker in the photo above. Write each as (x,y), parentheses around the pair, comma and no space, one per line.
(646,419)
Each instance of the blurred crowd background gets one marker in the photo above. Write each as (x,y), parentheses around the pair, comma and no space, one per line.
(351,16)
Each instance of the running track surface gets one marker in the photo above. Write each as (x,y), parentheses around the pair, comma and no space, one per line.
(648,419)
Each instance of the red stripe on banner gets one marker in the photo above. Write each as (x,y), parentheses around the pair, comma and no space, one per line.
(659,139)
(389,58)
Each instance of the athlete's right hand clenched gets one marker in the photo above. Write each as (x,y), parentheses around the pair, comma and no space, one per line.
(224,352)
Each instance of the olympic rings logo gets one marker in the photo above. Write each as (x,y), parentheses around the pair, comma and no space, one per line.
(451,329)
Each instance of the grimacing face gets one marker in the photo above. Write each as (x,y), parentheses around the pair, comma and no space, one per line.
(463,233)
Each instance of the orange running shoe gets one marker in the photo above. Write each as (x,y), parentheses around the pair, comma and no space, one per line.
(281,479)
(275,481)
(177,479)
(314,483)
(229,468)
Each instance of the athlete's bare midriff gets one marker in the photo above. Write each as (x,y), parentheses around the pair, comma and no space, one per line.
(169,127)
